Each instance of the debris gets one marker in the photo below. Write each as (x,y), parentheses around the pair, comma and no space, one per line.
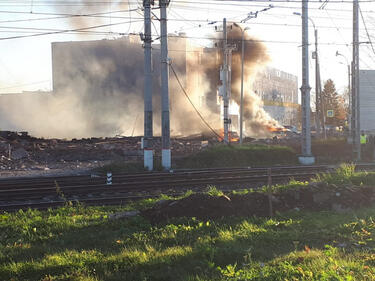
(121,215)
(19,153)
(30,153)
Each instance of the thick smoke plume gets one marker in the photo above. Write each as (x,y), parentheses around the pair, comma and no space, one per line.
(257,121)
(81,10)
(98,90)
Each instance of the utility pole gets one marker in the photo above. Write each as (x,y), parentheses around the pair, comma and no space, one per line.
(306,158)
(322,106)
(241,104)
(355,85)
(165,131)
(350,102)
(225,77)
(242,74)
(317,86)
(349,96)
(225,83)
(148,153)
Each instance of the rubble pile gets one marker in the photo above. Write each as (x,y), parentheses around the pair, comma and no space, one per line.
(20,151)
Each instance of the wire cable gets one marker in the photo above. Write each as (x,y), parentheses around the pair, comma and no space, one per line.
(63,31)
(192,104)
(368,35)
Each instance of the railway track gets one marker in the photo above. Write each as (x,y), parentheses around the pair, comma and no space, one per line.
(48,192)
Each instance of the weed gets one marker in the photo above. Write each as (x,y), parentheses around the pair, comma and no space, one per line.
(342,175)
(213,191)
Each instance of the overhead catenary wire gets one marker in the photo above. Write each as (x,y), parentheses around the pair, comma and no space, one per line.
(25,84)
(367,33)
(64,31)
(282,25)
(208,2)
(192,104)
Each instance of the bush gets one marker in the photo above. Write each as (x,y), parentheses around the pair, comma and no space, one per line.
(236,156)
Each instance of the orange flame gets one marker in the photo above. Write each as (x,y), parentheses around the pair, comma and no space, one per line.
(231,135)
(276,129)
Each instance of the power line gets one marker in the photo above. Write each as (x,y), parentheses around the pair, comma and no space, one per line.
(209,21)
(99,14)
(26,84)
(64,31)
(208,2)
(368,35)
(192,104)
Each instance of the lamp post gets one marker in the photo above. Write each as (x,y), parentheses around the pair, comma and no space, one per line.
(242,72)
(317,80)
(349,94)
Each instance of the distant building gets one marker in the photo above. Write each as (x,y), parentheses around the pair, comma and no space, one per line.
(367,100)
(279,93)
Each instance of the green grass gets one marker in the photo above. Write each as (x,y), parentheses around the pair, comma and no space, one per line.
(346,175)
(237,156)
(77,243)
(82,243)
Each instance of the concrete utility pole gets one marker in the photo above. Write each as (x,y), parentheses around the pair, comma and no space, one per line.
(242,62)
(148,153)
(350,97)
(317,86)
(242,73)
(306,158)
(225,84)
(165,131)
(321,105)
(355,85)
(226,78)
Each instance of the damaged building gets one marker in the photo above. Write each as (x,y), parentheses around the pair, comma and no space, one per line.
(279,93)
(98,90)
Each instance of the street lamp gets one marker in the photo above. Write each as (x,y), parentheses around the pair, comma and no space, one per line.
(317,80)
(242,71)
(349,94)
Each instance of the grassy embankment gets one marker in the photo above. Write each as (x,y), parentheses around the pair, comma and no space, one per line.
(81,243)
(220,156)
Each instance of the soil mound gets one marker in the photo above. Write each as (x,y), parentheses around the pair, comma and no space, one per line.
(312,197)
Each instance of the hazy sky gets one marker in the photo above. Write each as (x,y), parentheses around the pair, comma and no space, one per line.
(25,63)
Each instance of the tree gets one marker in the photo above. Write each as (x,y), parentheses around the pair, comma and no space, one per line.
(331,100)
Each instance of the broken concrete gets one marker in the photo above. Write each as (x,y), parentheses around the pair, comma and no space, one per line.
(19,154)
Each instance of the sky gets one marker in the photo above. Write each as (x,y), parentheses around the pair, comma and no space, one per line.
(25,63)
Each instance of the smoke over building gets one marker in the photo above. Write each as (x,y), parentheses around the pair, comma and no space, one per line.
(98,89)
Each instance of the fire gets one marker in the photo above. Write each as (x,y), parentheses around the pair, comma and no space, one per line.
(276,129)
(233,137)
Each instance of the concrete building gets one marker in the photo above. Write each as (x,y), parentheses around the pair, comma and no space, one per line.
(279,93)
(367,100)
(102,82)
